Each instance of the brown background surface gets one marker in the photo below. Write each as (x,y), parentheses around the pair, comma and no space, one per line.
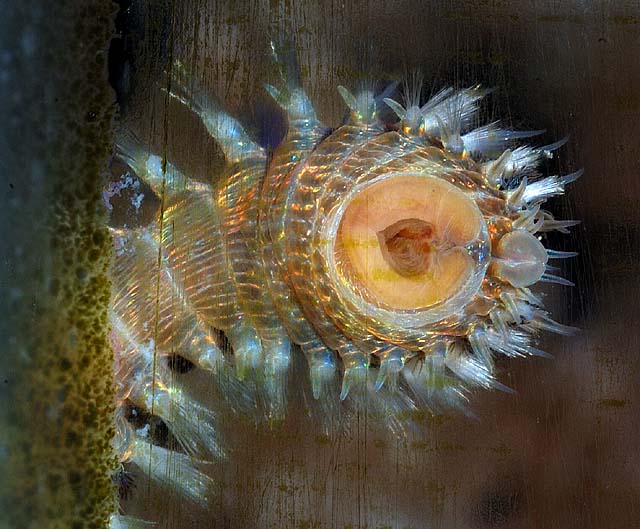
(562,452)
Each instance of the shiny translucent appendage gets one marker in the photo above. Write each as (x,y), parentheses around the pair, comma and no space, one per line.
(480,346)
(236,144)
(190,422)
(520,259)
(171,469)
(432,384)
(322,367)
(517,163)
(118,521)
(391,364)
(356,367)
(550,186)
(456,109)
(445,115)
(143,378)
(363,105)
(491,140)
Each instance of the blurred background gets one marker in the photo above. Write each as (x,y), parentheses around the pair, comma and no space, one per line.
(562,452)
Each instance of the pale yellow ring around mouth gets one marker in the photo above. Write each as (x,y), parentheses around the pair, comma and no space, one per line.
(353,233)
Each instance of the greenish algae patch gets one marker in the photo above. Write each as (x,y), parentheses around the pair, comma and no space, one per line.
(501,450)
(612,403)
(56,403)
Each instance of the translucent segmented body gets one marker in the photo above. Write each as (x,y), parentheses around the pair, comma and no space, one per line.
(404,251)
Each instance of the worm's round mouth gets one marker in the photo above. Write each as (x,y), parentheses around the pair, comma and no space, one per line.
(407,246)
(406,239)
